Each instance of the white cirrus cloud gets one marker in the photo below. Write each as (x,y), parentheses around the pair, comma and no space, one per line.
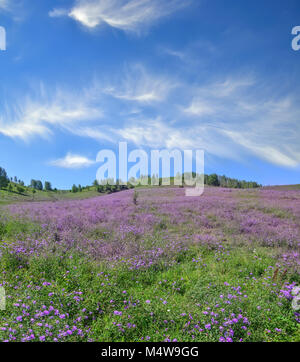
(232,118)
(55,13)
(157,133)
(4,4)
(215,97)
(136,84)
(254,118)
(269,152)
(37,116)
(13,8)
(81,111)
(200,108)
(72,161)
(126,15)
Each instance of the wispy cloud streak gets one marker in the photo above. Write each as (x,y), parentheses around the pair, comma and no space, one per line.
(228,118)
(37,117)
(138,85)
(128,15)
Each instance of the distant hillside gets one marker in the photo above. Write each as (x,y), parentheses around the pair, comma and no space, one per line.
(13,189)
(209,180)
(282,187)
(27,195)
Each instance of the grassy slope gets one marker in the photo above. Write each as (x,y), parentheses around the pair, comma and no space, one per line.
(283,187)
(155,303)
(7,197)
(160,301)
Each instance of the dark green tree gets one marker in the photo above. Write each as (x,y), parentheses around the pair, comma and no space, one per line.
(48,186)
(3,178)
(213,180)
(39,185)
(36,184)
(100,188)
(33,184)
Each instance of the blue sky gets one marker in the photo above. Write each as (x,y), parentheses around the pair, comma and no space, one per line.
(80,76)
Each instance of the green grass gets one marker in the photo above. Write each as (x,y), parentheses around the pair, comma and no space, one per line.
(283,187)
(190,287)
(12,227)
(172,300)
(7,197)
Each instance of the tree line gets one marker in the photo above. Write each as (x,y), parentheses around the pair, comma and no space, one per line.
(224,181)
(10,182)
(210,180)
(38,185)
(101,187)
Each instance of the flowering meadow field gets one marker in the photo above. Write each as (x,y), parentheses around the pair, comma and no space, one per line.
(159,266)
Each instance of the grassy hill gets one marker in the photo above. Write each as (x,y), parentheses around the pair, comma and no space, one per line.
(7,197)
(163,268)
(283,187)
